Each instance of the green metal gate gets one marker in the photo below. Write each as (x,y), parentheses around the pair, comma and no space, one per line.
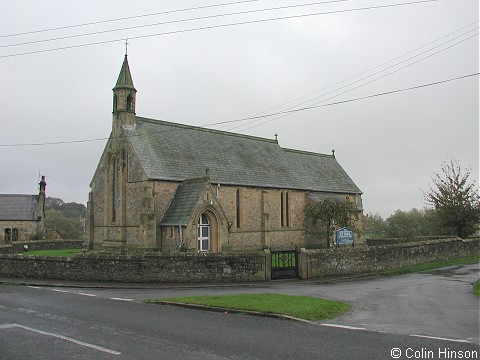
(284,264)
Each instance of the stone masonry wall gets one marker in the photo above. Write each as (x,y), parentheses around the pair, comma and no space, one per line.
(26,229)
(154,268)
(232,267)
(350,261)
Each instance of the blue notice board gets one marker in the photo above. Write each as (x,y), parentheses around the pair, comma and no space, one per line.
(344,236)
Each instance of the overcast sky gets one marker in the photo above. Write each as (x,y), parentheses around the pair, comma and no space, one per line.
(389,145)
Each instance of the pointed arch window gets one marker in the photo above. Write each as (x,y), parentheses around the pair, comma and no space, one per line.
(203,233)
(237,205)
(114,189)
(282,223)
(284,209)
(14,234)
(8,235)
(115,102)
(287,213)
(129,102)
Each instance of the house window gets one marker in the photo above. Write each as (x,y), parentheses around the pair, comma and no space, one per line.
(14,234)
(8,235)
(129,102)
(203,233)
(237,199)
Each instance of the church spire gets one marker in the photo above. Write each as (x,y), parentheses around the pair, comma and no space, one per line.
(124,80)
(124,97)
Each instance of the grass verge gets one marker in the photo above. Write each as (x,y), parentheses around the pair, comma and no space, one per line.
(476,288)
(431,265)
(63,252)
(302,307)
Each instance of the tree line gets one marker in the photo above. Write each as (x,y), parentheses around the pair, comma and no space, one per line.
(67,219)
(453,208)
(406,225)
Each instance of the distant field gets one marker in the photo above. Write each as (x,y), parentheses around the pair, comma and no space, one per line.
(60,253)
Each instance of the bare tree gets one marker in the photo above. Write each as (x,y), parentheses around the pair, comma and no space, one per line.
(323,217)
(455,200)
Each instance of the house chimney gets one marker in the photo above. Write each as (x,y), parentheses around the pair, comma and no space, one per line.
(41,208)
(43,185)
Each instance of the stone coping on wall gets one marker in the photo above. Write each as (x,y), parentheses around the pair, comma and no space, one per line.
(391,246)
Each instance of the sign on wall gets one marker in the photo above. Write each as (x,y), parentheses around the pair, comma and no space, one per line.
(344,236)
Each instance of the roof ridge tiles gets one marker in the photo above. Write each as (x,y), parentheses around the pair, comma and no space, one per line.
(199,128)
(196,180)
(308,153)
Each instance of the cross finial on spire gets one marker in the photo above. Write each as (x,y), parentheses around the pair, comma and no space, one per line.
(126,46)
(276,137)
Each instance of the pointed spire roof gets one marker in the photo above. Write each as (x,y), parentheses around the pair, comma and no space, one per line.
(125,77)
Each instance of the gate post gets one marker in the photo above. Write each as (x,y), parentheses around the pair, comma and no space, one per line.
(303,264)
(268,265)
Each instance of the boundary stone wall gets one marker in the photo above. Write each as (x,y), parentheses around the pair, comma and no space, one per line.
(230,267)
(349,261)
(178,268)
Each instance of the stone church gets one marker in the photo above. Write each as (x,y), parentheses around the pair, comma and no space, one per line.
(162,186)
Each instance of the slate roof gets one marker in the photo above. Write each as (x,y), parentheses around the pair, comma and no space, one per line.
(184,202)
(169,151)
(18,207)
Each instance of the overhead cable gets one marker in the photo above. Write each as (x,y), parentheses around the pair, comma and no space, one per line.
(217,26)
(262,116)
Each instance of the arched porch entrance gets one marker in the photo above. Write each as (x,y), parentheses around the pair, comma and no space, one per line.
(207,232)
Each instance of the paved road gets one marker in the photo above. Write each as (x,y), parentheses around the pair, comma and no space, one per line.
(59,322)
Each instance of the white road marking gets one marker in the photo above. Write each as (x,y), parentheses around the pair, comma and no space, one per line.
(420,336)
(122,299)
(34,287)
(440,338)
(2,307)
(78,342)
(59,290)
(344,327)
(28,311)
(6,326)
(85,294)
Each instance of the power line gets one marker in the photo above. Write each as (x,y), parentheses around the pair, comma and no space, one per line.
(285,113)
(171,22)
(288,112)
(376,73)
(264,116)
(368,70)
(218,26)
(128,18)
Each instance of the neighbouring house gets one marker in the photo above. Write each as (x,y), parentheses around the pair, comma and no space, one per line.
(22,217)
(162,186)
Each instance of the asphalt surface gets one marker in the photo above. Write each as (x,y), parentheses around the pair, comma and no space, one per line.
(417,314)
